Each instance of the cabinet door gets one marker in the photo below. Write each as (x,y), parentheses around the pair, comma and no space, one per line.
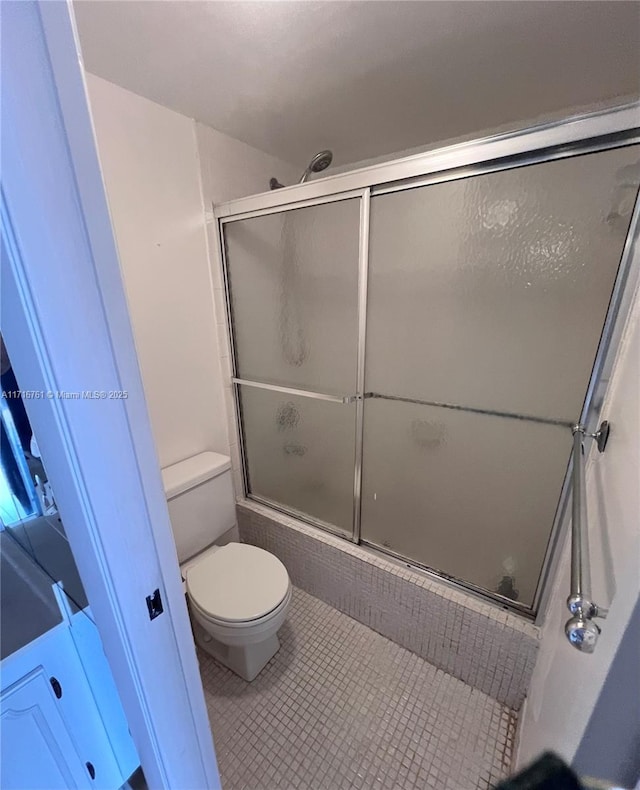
(36,750)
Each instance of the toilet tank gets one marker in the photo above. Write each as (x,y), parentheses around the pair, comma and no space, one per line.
(201,503)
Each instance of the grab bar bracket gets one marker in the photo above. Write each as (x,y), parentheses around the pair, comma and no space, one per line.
(602,435)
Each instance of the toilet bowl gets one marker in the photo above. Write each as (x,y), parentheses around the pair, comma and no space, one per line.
(238,594)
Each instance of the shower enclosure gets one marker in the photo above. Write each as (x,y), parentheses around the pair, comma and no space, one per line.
(413,342)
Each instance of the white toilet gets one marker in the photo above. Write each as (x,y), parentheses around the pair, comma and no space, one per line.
(238,594)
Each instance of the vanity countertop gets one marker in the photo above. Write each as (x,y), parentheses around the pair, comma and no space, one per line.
(28,606)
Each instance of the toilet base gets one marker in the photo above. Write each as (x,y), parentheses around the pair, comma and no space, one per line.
(247,661)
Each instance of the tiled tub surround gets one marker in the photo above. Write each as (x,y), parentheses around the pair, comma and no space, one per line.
(340,706)
(489,648)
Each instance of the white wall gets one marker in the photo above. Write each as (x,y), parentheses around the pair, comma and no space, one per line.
(150,165)
(566,684)
(151,159)
(232,169)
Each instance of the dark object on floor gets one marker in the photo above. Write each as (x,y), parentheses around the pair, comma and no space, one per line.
(548,772)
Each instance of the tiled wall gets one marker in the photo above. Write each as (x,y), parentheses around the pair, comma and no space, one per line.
(487,647)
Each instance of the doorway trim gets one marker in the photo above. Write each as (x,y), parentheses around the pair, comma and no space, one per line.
(67,329)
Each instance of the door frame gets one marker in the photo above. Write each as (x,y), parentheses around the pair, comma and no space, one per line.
(538,143)
(66,325)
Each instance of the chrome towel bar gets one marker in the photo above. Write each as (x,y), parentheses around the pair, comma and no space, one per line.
(580,629)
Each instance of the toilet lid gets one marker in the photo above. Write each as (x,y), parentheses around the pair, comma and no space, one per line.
(237,582)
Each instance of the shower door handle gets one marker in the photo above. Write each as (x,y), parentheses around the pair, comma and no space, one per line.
(300,393)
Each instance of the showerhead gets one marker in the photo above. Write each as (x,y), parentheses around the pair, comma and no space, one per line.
(320,162)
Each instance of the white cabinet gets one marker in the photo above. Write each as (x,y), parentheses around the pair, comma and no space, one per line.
(37,750)
(62,722)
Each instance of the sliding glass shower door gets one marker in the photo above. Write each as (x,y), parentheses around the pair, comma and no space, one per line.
(293,289)
(410,359)
(487,297)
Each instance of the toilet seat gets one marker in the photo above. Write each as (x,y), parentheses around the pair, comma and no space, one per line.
(247,631)
(238,584)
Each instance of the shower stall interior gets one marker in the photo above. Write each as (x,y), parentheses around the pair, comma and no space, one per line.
(411,354)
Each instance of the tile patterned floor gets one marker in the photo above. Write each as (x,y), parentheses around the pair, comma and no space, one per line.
(340,706)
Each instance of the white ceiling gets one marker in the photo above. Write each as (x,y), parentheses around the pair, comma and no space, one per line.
(363,78)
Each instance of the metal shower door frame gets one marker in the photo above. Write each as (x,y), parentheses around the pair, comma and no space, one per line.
(574,136)
(363,195)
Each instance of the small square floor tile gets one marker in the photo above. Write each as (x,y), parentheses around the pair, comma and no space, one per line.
(340,706)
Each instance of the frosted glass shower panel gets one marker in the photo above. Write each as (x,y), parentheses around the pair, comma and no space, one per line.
(300,453)
(491,291)
(469,495)
(293,280)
